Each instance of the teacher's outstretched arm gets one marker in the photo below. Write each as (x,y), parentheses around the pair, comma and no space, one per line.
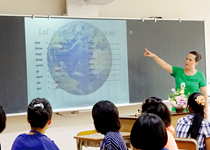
(159,61)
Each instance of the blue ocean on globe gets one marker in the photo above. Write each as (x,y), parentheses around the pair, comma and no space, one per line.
(79,58)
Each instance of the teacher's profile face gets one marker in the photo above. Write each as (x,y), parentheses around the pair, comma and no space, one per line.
(190,61)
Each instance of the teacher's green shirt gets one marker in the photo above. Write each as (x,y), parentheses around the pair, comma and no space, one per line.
(192,83)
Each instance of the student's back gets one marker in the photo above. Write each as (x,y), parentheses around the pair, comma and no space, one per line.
(149,133)
(36,141)
(106,121)
(113,140)
(194,125)
(39,117)
(156,106)
(2,120)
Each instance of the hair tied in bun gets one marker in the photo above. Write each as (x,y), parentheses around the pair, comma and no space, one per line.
(39,105)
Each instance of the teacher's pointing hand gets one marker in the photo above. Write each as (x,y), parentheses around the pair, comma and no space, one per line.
(148,53)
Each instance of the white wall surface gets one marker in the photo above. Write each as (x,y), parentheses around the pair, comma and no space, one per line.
(33,7)
(63,129)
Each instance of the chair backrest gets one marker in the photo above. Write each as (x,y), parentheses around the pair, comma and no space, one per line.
(87,132)
(186,143)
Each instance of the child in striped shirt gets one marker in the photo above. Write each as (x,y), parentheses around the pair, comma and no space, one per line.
(106,121)
(194,125)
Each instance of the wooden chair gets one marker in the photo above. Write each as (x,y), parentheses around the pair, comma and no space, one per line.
(186,143)
(93,139)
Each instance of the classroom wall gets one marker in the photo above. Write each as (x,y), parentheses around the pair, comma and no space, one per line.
(63,129)
(33,7)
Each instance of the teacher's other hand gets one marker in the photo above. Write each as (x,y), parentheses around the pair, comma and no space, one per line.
(148,53)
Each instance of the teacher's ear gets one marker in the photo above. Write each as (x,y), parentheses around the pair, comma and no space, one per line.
(196,62)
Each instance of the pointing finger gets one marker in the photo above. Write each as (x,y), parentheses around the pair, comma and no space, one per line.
(146,49)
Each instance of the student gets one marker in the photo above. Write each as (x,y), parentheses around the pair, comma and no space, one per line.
(39,117)
(106,121)
(156,106)
(2,119)
(193,125)
(149,133)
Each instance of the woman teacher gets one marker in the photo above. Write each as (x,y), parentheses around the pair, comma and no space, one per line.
(194,79)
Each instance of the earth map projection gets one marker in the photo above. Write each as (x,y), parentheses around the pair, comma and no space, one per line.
(79,58)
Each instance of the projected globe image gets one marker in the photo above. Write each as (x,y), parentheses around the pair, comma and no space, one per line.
(79,58)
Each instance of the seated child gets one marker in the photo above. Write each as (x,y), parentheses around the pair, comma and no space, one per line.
(39,117)
(106,120)
(156,106)
(2,119)
(194,125)
(149,133)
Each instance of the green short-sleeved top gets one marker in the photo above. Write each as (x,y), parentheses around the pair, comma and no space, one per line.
(192,83)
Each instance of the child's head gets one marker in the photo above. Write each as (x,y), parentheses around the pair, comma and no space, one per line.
(2,119)
(39,112)
(149,102)
(148,133)
(156,106)
(106,117)
(196,102)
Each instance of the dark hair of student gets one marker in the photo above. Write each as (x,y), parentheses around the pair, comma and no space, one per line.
(197,55)
(198,111)
(39,112)
(106,117)
(148,133)
(148,102)
(2,119)
(156,106)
